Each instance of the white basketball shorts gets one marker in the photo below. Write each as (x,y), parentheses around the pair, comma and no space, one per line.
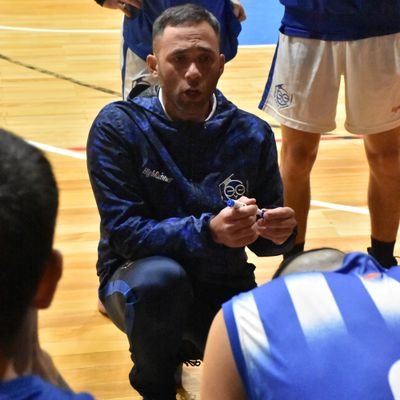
(304,80)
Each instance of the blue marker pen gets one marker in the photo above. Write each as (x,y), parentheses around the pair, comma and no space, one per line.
(238,204)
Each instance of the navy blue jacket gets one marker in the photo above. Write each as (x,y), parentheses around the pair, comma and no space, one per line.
(158,182)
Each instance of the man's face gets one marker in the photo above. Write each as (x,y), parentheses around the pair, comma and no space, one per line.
(188,65)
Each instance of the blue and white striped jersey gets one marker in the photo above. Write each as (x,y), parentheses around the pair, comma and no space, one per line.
(332,335)
(32,387)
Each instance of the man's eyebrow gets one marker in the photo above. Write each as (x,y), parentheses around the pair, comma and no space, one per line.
(189,49)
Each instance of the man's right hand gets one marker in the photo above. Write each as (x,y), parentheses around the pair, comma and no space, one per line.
(235,227)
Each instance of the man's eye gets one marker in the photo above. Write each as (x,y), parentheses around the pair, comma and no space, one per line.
(204,58)
(180,59)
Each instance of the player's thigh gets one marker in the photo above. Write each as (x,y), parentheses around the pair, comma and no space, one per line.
(372,81)
(298,146)
(303,85)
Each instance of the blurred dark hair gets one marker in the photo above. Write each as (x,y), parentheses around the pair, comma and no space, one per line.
(323,259)
(28,209)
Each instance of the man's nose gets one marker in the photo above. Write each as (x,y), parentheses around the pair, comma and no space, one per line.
(193,72)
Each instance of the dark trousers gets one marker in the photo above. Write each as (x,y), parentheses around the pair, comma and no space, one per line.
(166,316)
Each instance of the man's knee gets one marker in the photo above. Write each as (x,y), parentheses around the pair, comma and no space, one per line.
(385,165)
(383,153)
(299,152)
(149,283)
(297,162)
(160,274)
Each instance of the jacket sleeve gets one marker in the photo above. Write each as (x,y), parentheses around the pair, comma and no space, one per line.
(128,221)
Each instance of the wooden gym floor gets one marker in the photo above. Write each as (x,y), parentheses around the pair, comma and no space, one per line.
(59,64)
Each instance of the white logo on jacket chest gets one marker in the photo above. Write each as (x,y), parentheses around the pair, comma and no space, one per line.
(152,173)
(232,188)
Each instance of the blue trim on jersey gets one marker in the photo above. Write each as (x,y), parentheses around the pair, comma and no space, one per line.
(230,323)
(280,340)
(394,273)
(339,19)
(269,81)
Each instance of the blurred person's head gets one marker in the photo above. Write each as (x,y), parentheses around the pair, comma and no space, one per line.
(29,267)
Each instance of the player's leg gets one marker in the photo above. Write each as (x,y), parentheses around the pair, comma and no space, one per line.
(298,154)
(301,93)
(383,154)
(149,300)
(373,109)
(134,72)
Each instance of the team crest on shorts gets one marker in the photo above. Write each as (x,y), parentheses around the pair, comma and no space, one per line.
(281,96)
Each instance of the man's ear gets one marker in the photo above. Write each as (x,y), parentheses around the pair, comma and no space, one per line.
(47,286)
(152,65)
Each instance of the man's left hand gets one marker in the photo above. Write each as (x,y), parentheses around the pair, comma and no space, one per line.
(277,224)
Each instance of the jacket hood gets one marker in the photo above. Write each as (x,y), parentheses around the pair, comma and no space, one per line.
(149,102)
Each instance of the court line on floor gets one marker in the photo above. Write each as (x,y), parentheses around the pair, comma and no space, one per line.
(102,31)
(325,136)
(59,76)
(58,150)
(316,203)
(45,30)
(79,155)
(340,207)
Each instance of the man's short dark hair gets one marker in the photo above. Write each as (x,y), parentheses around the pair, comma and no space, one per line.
(187,14)
(28,209)
(323,259)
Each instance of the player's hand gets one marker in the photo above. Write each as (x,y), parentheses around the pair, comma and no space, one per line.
(123,5)
(277,224)
(235,227)
(238,10)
